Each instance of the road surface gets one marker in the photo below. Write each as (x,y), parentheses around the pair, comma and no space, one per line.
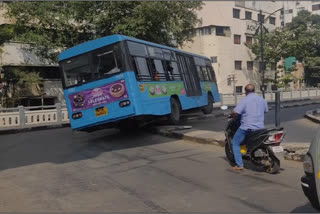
(60,171)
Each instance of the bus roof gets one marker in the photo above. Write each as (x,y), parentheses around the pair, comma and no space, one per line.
(107,40)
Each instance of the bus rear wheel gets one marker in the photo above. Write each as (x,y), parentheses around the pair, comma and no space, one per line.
(175,115)
(209,108)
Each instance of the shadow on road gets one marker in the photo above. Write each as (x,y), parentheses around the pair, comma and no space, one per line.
(307,208)
(63,145)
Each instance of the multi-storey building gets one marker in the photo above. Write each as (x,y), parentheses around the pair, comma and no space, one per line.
(291,9)
(226,28)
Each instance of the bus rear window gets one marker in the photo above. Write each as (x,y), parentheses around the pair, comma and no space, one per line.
(93,65)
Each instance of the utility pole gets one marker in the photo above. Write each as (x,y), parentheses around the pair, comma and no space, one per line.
(261,51)
(233,79)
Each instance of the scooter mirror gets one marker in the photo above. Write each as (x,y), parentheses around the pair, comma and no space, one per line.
(224,107)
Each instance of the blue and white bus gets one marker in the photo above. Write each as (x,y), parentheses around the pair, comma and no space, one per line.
(116,79)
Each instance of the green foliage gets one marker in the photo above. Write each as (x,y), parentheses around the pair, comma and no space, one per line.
(21,83)
(59,25)
(300,38)
(6,33)
(24,79)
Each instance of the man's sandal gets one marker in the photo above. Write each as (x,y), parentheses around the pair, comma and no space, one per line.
(237,168)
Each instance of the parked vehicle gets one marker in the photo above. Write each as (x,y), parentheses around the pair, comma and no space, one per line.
(261,147)
(118,78)
(310,182)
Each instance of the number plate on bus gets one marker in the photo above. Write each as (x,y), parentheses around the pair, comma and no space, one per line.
(100,111)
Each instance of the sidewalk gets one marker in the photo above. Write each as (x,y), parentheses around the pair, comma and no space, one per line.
(313,115)
(293,151)
(215,135)
(285,103)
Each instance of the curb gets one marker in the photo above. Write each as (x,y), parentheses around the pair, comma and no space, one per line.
(173,132)
(33,128)
(293,151)
(310,116)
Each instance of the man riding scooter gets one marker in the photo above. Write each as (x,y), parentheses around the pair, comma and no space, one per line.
(252,109)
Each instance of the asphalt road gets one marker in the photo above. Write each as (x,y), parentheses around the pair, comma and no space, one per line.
(298,129)
(60,171)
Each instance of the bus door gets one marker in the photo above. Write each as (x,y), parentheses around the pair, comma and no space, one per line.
(189,75)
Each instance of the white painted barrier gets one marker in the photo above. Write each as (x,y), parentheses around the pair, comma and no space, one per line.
(57,114)
(231,99)
(33,116)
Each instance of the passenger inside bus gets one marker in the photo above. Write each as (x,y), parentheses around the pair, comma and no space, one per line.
(156,76)
(170,71)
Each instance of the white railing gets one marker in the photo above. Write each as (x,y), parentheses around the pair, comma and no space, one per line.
(232,99)
(20,117)
(33,116)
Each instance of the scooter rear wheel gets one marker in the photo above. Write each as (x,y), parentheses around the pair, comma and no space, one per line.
(229,152)
(275,166)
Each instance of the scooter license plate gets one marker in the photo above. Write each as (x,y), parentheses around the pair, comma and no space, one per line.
(277,149)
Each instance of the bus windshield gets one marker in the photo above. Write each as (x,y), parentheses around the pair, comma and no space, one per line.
(93,65)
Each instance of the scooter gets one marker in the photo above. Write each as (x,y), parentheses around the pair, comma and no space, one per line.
(261,147)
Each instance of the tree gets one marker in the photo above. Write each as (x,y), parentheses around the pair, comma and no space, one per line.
(20,83)
(59,25)
(300,38)
(273,46)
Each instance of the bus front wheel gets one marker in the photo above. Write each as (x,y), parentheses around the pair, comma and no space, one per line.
(209,108)
(175,111)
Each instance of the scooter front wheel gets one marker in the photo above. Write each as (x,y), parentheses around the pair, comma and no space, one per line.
(229,152)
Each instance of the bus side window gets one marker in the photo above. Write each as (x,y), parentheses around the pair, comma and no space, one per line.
(211,74)
(169,70)
(159,70)
(205,73)
(143,70)
(175,71)
(200,74)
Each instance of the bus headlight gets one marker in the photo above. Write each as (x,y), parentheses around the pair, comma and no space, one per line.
(124,103)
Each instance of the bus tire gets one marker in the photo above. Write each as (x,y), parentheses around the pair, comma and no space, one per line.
(209,108)
(175,115)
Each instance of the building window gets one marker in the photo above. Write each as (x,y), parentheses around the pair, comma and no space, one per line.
(249,40)
(315,7)
(260,18)
(229,81)
(220,31)
(273,66)
(282,23)
(237,65)
(236,13)
(205,31)
(239,89)
(249,65)
(248,15)
(272,20)
(290,11)
(237,39)
(214,59)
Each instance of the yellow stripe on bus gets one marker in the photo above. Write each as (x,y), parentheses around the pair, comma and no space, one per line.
(318,175)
